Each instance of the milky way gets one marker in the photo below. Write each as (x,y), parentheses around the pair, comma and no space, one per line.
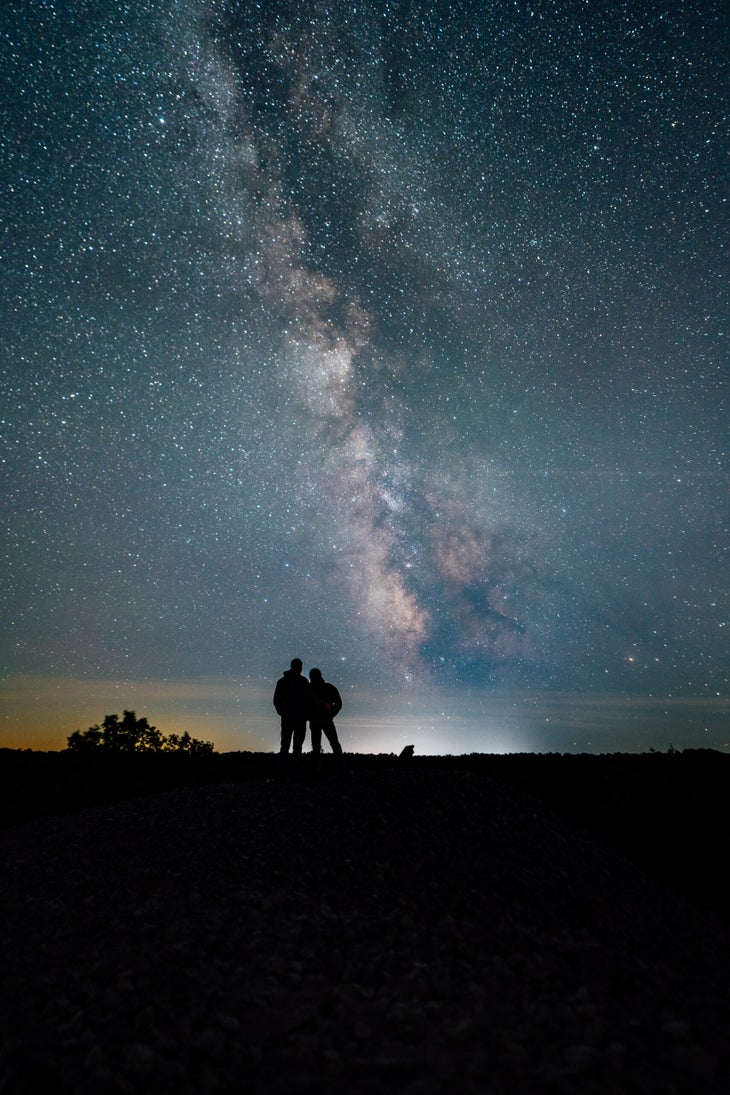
(388,334)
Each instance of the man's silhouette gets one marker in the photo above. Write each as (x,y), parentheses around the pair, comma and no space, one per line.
(322,721)
(293,700)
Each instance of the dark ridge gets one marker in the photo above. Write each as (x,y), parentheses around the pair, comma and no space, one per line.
(667,812)
(410,928)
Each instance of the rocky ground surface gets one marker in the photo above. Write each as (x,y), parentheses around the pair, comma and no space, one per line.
(414,931)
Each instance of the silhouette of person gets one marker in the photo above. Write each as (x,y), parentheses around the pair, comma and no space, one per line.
(323,720)
(293,699)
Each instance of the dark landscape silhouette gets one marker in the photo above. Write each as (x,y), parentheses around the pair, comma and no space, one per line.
(668,812)
(518,923)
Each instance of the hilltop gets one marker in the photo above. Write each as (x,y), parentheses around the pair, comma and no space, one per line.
(410,928)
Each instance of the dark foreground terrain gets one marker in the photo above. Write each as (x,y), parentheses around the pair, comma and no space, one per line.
(448,925)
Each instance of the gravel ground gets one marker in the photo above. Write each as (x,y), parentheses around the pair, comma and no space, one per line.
(400,931)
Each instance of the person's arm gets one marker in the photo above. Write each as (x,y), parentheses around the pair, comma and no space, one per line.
(336,701)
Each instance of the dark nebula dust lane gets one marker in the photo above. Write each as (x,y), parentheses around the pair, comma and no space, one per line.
(391,335)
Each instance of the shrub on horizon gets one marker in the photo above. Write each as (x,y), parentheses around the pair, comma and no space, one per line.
(133,735)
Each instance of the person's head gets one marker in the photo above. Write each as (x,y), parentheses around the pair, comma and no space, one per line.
(315,674)
(296,665)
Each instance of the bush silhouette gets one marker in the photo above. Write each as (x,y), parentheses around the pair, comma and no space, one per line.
(133,735)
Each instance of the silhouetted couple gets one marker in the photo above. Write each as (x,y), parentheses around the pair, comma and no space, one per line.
(298,701)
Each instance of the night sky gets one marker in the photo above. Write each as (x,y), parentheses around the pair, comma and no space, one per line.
(386,335)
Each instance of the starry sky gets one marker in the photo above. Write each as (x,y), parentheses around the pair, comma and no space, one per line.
(386,335)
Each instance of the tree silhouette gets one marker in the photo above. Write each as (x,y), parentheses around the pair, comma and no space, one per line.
(133,735)
(185,744)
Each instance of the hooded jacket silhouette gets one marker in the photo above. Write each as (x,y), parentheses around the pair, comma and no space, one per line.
(294,701)
(321,721)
